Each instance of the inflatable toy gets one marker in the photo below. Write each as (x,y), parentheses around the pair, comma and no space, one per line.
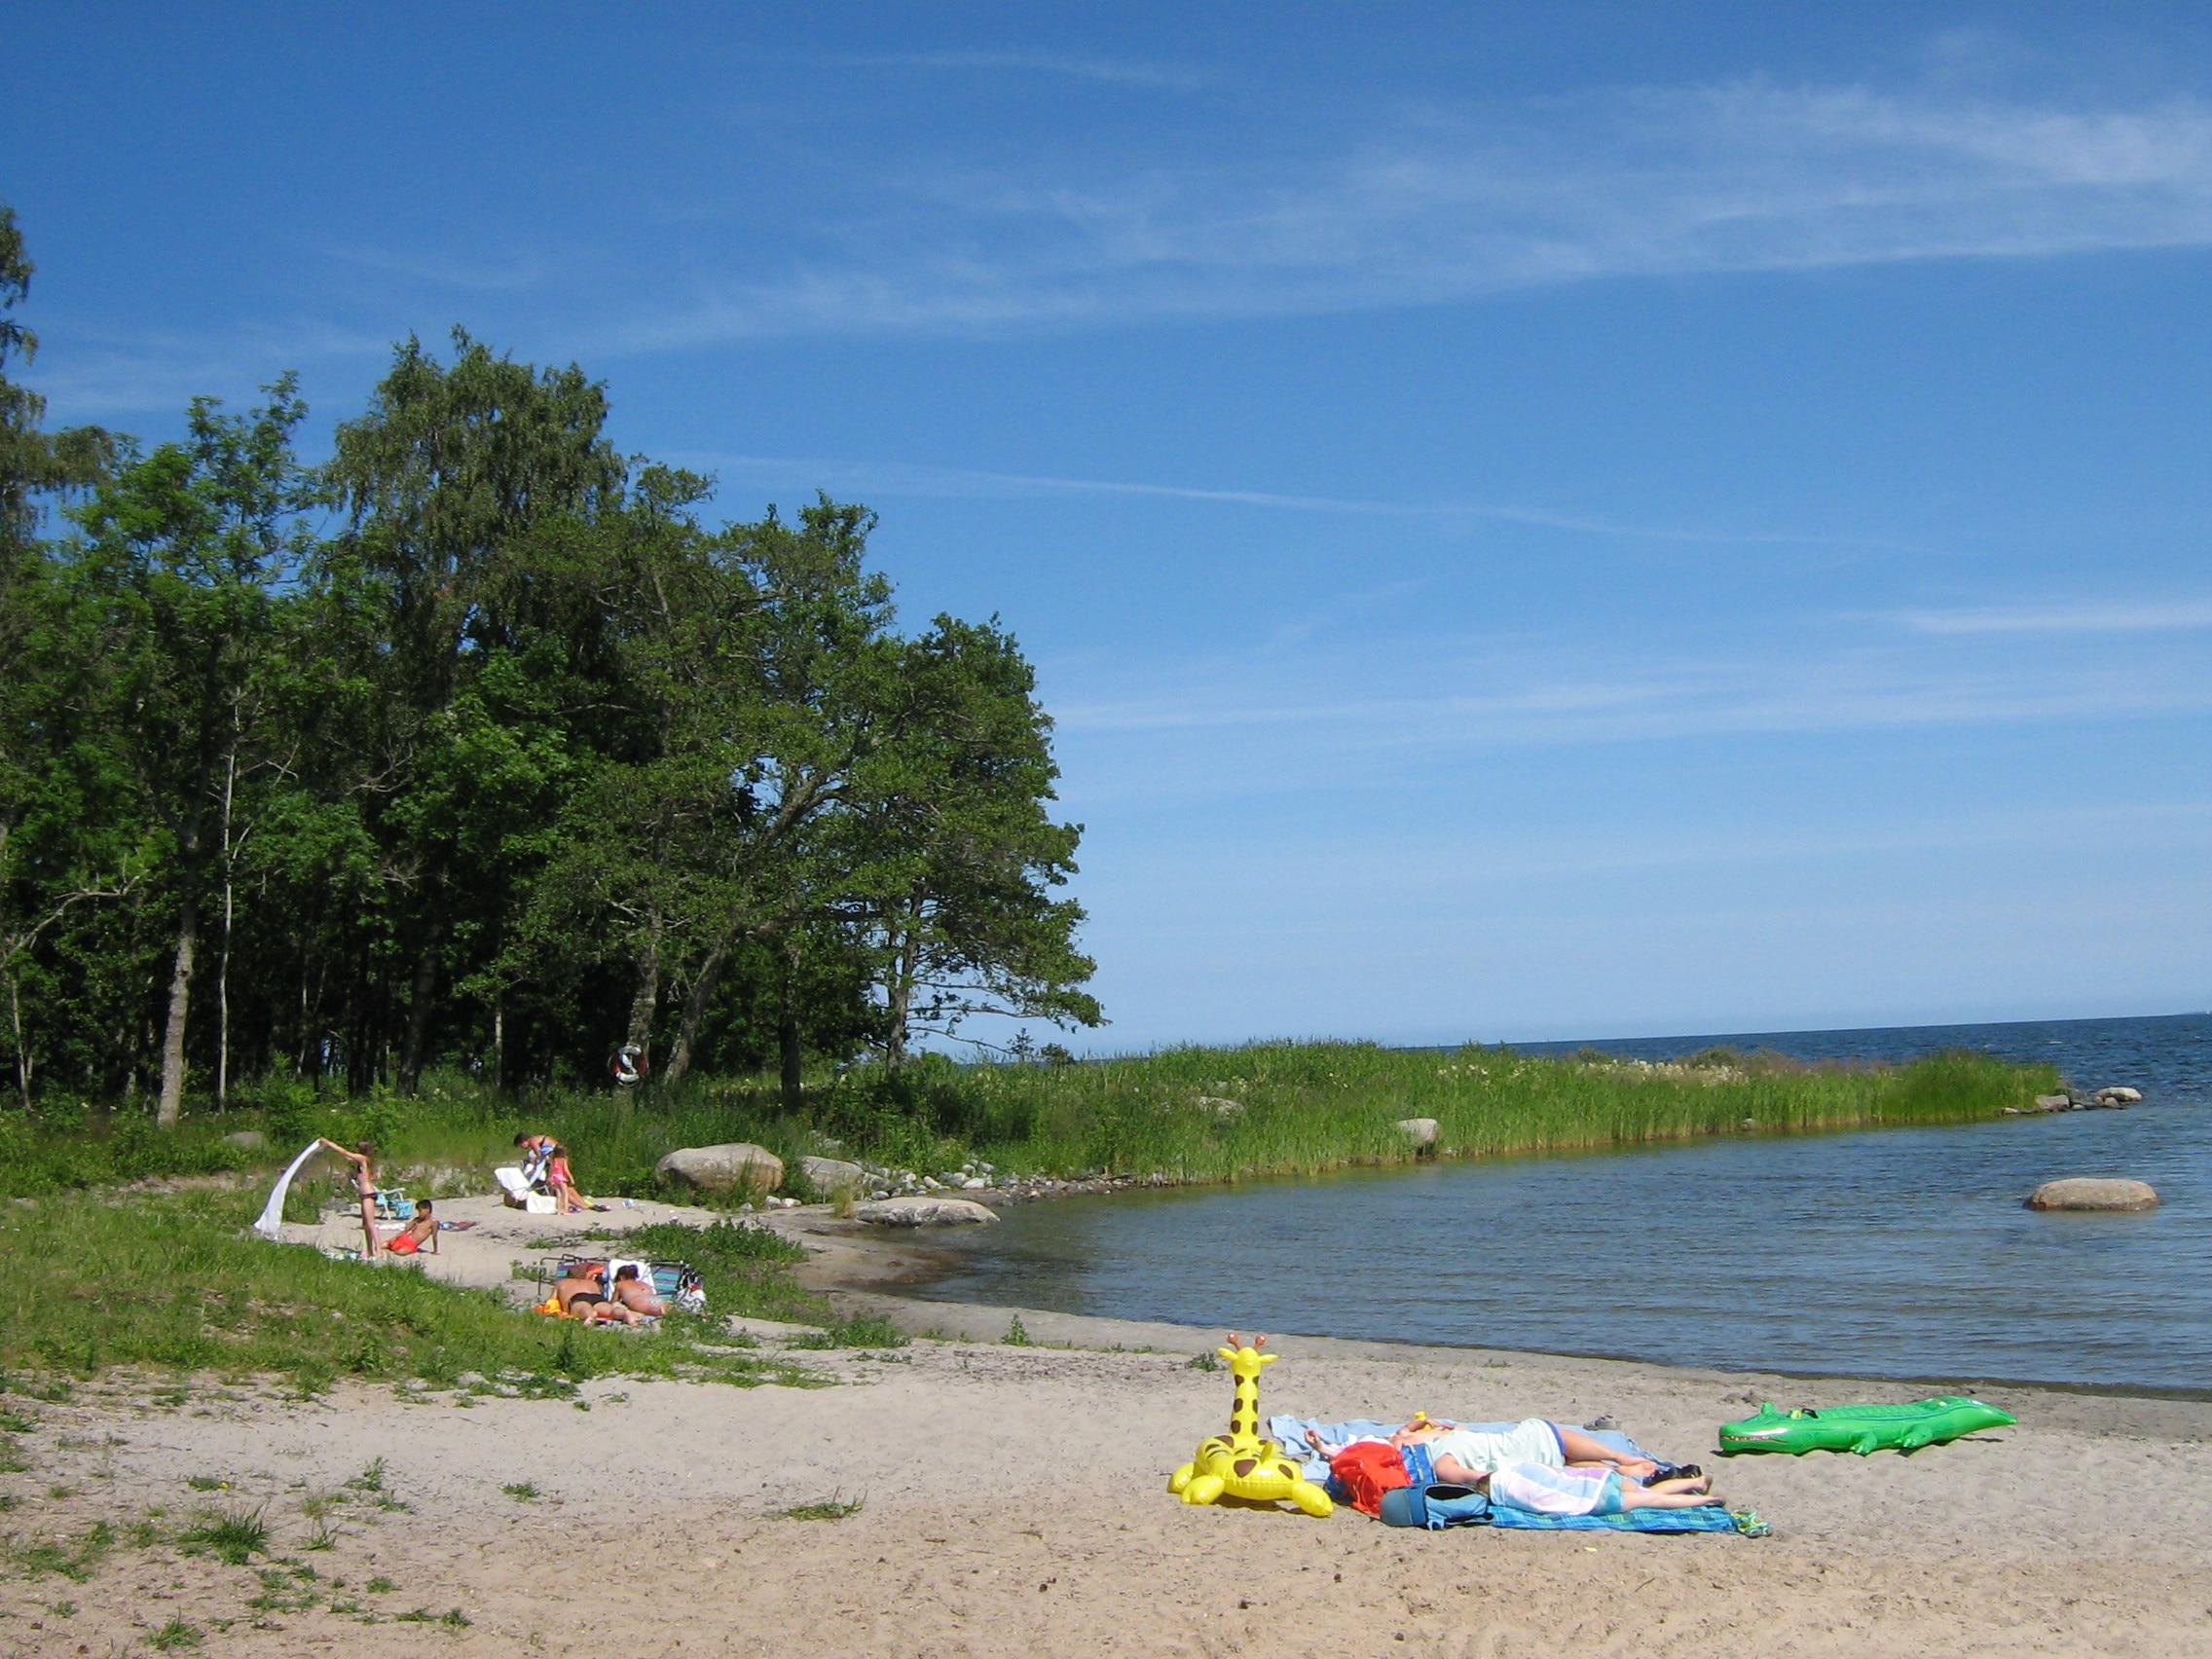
(1863,1429)
(1240,1463)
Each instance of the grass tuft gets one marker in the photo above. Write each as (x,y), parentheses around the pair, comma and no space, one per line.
(836,1507)
(232,1536)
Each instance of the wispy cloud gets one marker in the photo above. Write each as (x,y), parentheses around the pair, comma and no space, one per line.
(876,479)
(1450,204)
(2146,618)
(1112,71)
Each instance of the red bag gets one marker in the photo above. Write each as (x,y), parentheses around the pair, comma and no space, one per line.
(1370,1469)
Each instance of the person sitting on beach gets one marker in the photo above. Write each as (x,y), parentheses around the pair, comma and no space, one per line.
(633,1292)
(418,1235)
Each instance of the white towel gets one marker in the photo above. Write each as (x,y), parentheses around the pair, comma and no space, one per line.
(271,1222)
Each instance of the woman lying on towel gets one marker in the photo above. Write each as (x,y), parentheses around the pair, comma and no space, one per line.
(1541,1466)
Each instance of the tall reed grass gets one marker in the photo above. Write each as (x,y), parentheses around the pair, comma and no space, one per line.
(1186,1114)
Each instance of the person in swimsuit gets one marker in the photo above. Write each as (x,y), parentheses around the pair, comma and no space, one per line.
(583,1292)
(633,1292)
(562,1181)
(420,1234)
(363,1158)
(534,1150)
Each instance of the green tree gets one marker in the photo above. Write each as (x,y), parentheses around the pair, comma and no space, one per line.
(183,554)
(51,862)
(954,854)
(455,485)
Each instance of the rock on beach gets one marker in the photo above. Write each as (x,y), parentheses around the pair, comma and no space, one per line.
(925,1213)
(833,1174)
(2091,1193)
(722,1168)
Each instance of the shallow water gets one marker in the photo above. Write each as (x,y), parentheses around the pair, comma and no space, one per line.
(1890,1253)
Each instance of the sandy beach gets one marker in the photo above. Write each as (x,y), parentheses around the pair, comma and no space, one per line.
(1014,1502)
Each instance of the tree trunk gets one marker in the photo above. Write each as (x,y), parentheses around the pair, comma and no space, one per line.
(223,969)
(695,1009)
(645,1001)
(22,1055)
(498,1048)
(418,1012)
(171,1106)
(792,1050)
(899,995)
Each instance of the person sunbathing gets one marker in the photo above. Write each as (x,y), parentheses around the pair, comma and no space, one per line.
(1552,1469)
(582,1290)
(1464,1455)
(420,1234)
(633,1292)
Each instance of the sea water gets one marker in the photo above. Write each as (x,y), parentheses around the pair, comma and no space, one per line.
(1902,1252)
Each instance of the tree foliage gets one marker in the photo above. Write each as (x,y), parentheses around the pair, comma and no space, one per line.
(480,744)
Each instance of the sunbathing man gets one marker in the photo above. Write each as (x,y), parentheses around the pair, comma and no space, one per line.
(420,1234)
(582,1291)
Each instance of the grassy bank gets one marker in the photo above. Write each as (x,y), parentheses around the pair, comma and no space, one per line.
(173,1283)
(1185,1114)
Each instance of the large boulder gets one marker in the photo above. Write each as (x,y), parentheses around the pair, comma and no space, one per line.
(2117,1095)
(925,1213)
(2091,1193)
(2054,1103)
(723,1169)
(833,1174)
(249,1140)
(1421,1131)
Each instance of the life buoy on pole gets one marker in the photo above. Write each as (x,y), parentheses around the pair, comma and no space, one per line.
(630,1065)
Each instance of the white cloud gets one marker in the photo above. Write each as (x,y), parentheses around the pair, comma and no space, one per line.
(872,480)
(2145,617)
(1746,176)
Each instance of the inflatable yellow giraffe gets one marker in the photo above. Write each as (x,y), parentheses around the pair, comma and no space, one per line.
(1240,1463)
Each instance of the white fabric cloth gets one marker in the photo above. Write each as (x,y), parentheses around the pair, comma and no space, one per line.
(1481,1451)
(271,1222)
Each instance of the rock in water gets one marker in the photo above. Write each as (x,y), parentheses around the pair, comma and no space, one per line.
(2118,1096)
(833,1174)
(925,1213)
(723,1169)
(2054,1103)
(1421,1131)
(2090,1193)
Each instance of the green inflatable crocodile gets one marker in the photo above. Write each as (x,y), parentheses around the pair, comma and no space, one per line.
(1862,1428)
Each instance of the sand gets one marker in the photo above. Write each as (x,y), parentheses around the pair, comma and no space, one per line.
(1012,1502)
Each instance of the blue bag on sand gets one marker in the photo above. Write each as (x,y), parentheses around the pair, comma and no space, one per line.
(1435,1507)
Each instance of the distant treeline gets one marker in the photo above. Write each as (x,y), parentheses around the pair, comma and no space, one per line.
(477,745)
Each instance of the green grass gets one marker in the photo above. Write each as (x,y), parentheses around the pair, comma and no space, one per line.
(174,1284)
(836,1507)
(175,1634)
(232,1536)
(862,1331)
(1300,1108)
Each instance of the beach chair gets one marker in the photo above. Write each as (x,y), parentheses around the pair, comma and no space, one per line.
(393,1205)
(521,1193)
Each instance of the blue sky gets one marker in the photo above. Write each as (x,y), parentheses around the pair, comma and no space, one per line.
(1533,522)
